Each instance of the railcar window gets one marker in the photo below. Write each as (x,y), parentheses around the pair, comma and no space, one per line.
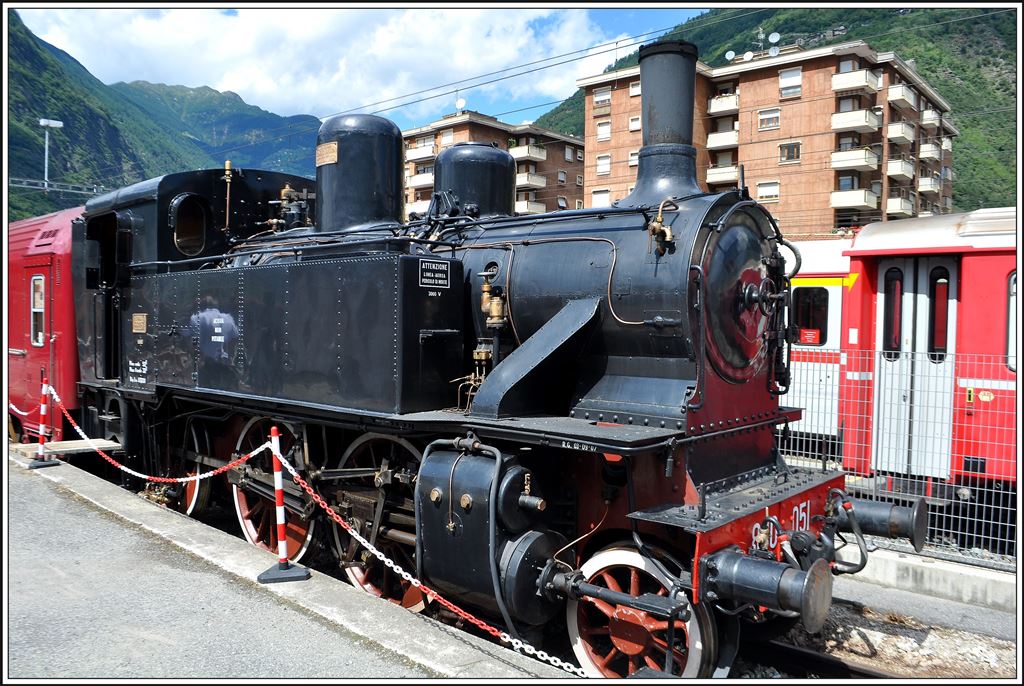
(188,217)
(892,327)
(38,311)
(1011,324)
(810,315)
(938,313)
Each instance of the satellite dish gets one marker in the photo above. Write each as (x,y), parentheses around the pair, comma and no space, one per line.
(460,103)
(730,55)
(774,37)
(773,51)
(747,56)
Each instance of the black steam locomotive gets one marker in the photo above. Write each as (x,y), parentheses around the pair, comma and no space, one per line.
(564,422)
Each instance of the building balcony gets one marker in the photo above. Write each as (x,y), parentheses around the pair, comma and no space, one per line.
(861,159)
(720,140)
(900,132)
(861,80)
(901,96)
(899,206)
(947,145)
(859,199)
(900,169)
(724,104)
(723,174)
(530,207)
(926,213)
(930,119)
(929,184)
(420,180)
(862,121)
(930,151)
(425,152)
(529,153)
(419,206)
(530,180)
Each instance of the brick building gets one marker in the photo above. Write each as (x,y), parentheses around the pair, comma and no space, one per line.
(828,138)
(549,165)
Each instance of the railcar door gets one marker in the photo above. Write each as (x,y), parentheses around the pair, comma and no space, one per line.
(913,402)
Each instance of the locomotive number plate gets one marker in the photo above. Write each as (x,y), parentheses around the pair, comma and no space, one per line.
(434,274)
(139,322)
(326,153)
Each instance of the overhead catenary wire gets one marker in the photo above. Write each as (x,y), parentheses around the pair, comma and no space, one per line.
(685,28)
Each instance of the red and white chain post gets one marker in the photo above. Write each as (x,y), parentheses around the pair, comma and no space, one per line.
(283,570)
(41,460)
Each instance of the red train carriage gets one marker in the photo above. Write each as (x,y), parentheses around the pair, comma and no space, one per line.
(40,317)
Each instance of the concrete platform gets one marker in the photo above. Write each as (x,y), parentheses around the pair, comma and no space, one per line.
(441,649)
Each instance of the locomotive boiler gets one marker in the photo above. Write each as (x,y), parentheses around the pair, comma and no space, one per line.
(565,422)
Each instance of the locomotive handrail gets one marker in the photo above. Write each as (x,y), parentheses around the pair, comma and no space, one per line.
(700,336)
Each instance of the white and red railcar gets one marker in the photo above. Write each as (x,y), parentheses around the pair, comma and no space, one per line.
(906,353)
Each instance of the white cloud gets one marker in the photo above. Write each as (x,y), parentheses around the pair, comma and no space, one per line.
(321,61)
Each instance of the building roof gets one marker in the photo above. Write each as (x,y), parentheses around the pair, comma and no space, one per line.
(790,56)
(470,116)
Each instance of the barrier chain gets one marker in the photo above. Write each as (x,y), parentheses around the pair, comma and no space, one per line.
(157,479)
(15,409)
(516,644)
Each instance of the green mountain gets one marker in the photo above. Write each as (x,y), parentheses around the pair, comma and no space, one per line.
(225,127)
(968,55)
(120,134)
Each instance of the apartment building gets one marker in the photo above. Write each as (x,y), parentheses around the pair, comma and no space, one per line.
(549,165)
(828,138)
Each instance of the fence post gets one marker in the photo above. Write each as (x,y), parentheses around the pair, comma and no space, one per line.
(41,459)
(283,570)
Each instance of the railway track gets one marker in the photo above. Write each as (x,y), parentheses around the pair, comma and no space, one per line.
(803,663)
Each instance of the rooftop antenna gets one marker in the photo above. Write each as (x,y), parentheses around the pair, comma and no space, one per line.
(459,102)
(774,38)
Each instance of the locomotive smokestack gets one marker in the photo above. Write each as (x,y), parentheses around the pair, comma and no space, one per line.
(668,160)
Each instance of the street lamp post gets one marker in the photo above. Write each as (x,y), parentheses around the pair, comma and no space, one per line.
(48,124)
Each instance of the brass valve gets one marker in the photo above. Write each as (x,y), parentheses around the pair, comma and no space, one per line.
(658,231)
(485,297)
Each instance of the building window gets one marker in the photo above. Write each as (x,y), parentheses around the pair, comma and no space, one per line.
(38,311)
(447,136)
(1011,324)
(789,152)
(789,82)
(424,169)
(810,315)
(634,88)
(579,204)
(563,202)
(848,65)
(602,96)
(600,198)
(767,191)
(579,179)
(938,313)
(634,158)
(849,182)
(769,119)
(579,155)
(424,141)
(604,130)
(849,104)
(634,123)
(604,164)
(849,141)
(568,153)
(561,176)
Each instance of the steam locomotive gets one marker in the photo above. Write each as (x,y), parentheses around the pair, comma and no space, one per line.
(564,422)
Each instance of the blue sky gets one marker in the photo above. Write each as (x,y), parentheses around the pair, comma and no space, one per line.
(323,60)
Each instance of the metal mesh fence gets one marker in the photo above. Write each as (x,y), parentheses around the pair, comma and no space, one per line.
(906,425)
